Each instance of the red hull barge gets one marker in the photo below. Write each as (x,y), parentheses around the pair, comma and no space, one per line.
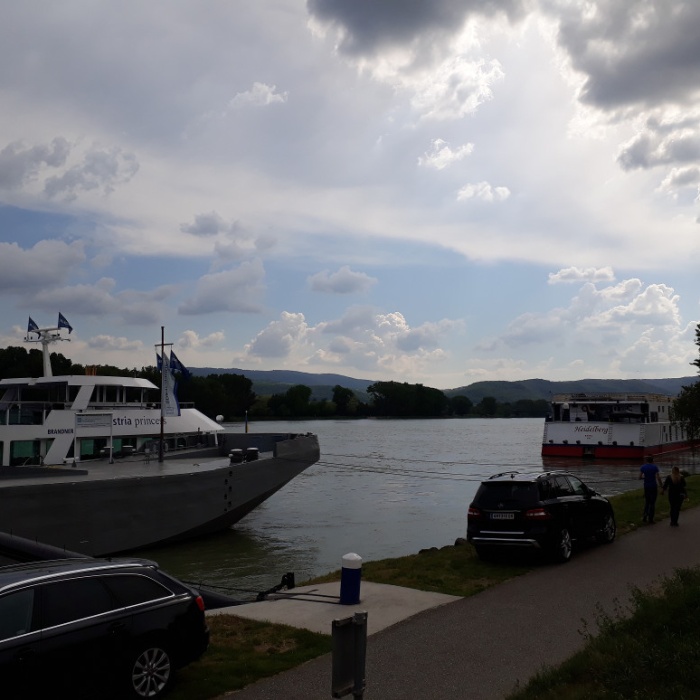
(612,426)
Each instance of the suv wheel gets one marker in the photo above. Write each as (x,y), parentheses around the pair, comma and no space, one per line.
(150,671)
(607,533)
(562,546)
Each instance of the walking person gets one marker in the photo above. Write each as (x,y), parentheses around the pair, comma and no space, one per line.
(652,483)
(674,483)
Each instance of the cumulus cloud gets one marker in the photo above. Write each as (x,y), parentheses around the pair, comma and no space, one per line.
(637,53)
(190,339)
(209,224)
(20,164)
(660,144)
(609,324)
(484,192)
(343,281)
(238,290)
(44,265)
(260,95)
(441,155)
(100,169)
(280,337)
(362,340)
(118,343)
(577,275)
(130,306)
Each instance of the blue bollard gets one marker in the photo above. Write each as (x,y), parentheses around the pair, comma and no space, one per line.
(350,576)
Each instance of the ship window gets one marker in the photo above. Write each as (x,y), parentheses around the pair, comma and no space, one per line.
(24,452)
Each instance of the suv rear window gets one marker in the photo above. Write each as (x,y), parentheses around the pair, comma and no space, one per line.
(132,589)
(506,494)
(16,613)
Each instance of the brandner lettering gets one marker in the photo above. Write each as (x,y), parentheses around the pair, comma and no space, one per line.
(60,431)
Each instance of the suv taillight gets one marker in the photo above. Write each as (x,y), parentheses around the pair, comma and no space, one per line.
(200,602)
(538,514)
(473,513)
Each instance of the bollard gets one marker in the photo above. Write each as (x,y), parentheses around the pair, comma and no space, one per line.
(350,576)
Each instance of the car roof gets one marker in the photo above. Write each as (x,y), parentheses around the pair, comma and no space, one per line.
(524,475)
(52,568)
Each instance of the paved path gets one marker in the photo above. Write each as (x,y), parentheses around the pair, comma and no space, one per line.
(480,648)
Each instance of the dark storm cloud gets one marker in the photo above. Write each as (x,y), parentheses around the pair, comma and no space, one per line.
(635,53)
(367,26)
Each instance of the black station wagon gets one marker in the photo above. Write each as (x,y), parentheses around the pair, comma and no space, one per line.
(95,628)
(541,510)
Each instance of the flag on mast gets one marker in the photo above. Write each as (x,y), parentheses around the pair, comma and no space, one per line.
(169,403)
(32,327)
(63,323)
(177,366)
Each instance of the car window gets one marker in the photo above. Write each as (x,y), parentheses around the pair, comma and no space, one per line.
(16,613)
(507,494)
(578,486)
(547,489)
(74,599)
(562,486)
(133,589)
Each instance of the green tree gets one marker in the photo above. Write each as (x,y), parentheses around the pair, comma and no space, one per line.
(343,400)
(686,408)
(461,405)
(487,406)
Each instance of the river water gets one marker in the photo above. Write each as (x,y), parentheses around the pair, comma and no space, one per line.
(382,488)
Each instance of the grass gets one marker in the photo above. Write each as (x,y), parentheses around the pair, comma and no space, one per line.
(654,653)
(243,651)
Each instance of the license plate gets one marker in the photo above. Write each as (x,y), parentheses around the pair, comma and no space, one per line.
(502,516)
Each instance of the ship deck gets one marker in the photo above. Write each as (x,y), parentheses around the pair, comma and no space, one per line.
(122,468)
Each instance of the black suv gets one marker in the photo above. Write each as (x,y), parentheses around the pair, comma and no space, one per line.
(543,510)
(113,627)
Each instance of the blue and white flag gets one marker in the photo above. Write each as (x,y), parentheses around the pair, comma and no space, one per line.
(159,362)
(177,366)
(169,404)
(62,323)
(32,327)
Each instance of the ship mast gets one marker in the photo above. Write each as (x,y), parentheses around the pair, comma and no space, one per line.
(46,336)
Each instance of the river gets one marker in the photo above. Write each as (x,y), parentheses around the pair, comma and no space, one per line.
(382,488)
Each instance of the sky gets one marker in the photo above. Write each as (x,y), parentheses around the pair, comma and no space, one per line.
(436,192)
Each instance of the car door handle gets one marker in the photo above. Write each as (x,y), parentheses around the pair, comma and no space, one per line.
(117,627)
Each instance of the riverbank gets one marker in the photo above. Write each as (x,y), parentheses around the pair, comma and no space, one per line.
(243,650)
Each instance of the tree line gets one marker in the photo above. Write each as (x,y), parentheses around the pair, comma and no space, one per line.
(232,395)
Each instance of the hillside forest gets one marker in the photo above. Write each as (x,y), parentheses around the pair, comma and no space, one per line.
(232,395)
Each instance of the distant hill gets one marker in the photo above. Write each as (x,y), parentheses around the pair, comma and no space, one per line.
(277,381)
(544,389)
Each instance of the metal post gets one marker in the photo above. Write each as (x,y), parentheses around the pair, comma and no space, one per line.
(349,652)
(162,380)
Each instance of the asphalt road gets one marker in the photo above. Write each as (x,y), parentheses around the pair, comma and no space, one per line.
(482,647)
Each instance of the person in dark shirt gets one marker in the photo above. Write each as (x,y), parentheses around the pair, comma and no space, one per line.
(674,483)
(652,483)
